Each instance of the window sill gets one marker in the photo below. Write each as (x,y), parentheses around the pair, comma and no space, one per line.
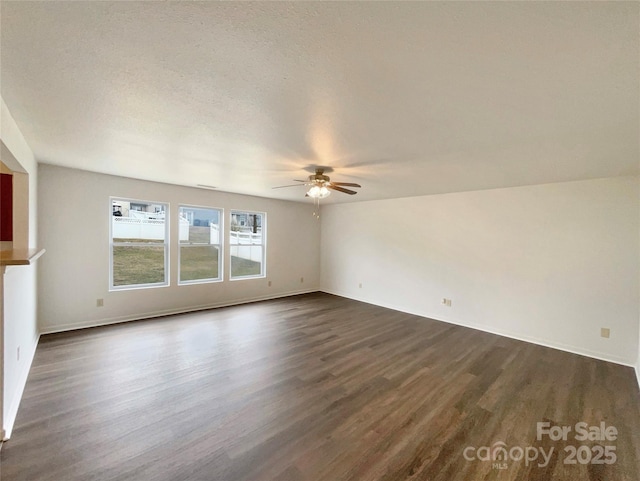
(244,278)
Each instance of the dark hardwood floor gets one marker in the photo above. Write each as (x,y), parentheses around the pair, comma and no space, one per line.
(314,387)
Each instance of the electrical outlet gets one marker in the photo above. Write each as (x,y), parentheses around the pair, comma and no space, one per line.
(301,280)
(269,283)
(360,286)
(605,332)
(18,353)
(99,302)
(446,302)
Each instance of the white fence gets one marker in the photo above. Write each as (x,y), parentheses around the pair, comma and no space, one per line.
(253,253)
(245,245)
(237,238)
(142,228)
(214,234)
(183,230)
(245,238)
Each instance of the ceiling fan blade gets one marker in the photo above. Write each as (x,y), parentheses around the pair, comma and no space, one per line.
(283,186)
(298,180)
(340,189)
(346,184)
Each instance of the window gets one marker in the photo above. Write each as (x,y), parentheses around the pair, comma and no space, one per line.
(199,239)
(139,244)
(247,244)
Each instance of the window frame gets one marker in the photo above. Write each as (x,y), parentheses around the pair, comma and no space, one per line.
(263,263)
(220,245)
(166,244)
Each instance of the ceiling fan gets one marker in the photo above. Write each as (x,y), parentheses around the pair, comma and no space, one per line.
(320,185)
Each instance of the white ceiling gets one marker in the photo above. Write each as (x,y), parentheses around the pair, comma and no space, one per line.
(404,98)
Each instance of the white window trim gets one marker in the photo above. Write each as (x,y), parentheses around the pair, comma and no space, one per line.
(220,277)
(167,243)
(263,264)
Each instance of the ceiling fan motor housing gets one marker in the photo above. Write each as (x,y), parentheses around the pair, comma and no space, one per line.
(319,177)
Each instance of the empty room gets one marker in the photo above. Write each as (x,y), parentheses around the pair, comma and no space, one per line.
(319,241)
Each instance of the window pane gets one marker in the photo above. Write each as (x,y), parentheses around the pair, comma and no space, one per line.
(198,262)
(246,239)
(246,261)
(138,265)
(199,238)
(139,243)
(138,222)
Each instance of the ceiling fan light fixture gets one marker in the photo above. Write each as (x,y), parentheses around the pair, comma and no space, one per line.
(317,192)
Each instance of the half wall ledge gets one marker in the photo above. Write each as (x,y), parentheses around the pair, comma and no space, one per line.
(19,257)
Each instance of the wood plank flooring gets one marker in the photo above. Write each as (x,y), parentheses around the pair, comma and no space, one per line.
(312,387)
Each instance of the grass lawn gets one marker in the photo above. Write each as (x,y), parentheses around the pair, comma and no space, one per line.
(134,265)
(244,267)
(138,265)
(198,262)
(199,235)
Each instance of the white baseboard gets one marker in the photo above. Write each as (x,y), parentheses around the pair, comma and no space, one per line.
(541,342)
(17,397)
(165,312)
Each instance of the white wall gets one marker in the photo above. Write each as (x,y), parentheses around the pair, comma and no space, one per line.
(550,264)
(19,288)
(75,270)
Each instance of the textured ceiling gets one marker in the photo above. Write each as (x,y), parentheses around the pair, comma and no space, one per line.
(404,98)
